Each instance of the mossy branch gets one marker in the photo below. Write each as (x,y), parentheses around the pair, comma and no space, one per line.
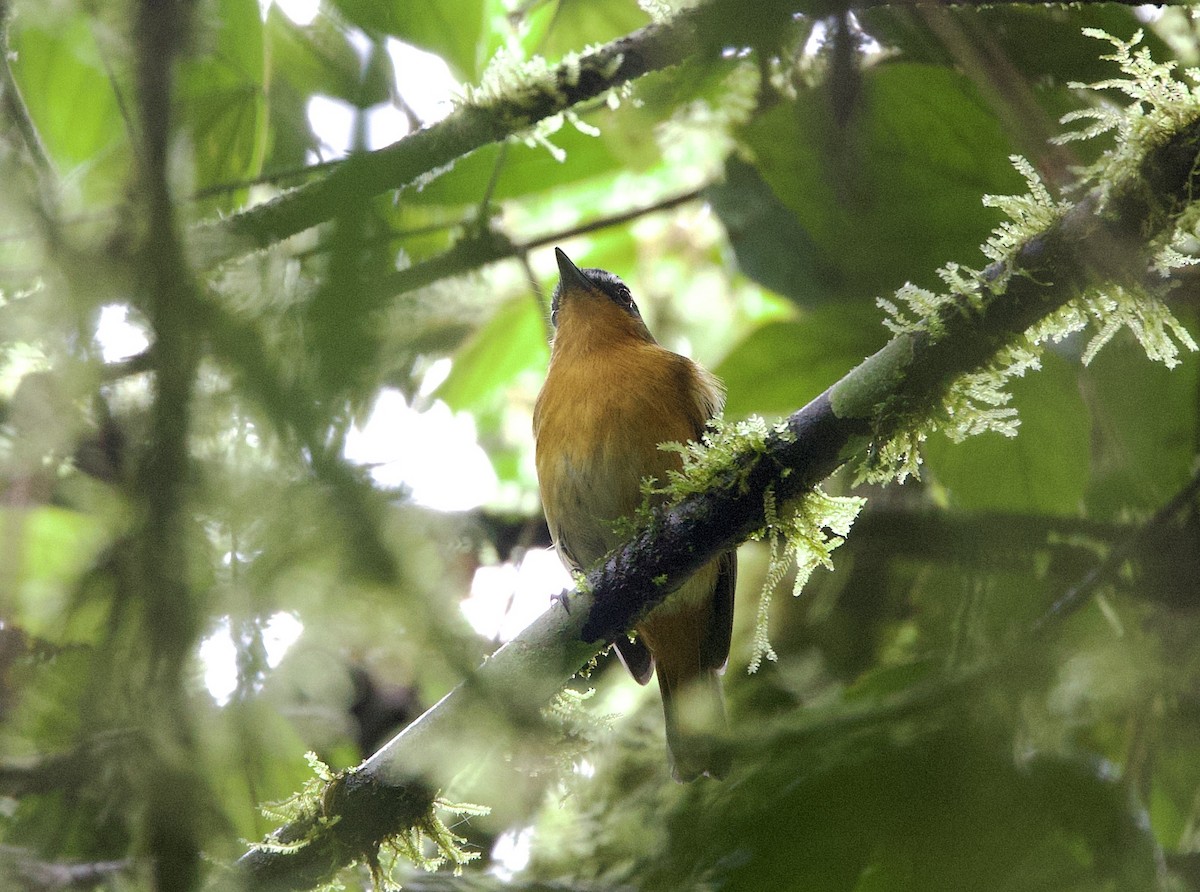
(1102,238)
(494,116)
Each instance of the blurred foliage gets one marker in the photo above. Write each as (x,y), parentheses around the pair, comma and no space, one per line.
(927,726)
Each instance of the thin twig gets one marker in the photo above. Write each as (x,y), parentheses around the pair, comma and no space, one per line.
(15,109)
(488,247)
(34,874)
(1103,572)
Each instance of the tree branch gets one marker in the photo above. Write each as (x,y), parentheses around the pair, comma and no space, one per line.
(697,32)
(489,246)
(704,30)
(1101,239)
(32,874)
(1096,241)
(1107,569)
(166,292)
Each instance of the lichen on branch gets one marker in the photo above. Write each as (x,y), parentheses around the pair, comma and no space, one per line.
(978,401)
(801,532)
(425,841)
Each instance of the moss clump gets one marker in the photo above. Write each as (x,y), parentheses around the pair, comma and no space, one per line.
(979,401)
(802,532)
(306,808)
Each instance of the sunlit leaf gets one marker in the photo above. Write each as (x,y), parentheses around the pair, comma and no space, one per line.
(452,31)
(50,549)
(223,101)
(320,59)
(513,341)
(71,97)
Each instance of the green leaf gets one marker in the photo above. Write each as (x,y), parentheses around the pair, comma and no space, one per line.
(782,365)
(223,101)
(72,103)
(1046,44)
(453,31)
(557,28)
(319,59)
(53,547)
(1043,469)
(771,246)
(513,341)
(1144,428)
(894,193)
(903,806)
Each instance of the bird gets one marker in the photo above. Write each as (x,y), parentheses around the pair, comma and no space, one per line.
(612,396)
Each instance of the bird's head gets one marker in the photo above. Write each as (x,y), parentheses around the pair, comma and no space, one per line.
(594,303)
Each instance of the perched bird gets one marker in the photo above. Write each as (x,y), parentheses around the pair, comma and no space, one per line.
(611,397)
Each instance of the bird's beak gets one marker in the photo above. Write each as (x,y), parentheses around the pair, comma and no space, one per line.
(569,274)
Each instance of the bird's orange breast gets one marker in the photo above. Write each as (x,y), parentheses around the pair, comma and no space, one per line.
(599,421)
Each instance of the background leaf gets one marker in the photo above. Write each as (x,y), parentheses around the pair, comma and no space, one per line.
(894,194)
(1043,469)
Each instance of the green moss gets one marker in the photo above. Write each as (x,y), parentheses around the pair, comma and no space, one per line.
(409,844)
(517,90)
(979,401)
(304,807)
(803,532)
(579,729)
(1028,215)
(1162,104)
(509,83)
(582,585)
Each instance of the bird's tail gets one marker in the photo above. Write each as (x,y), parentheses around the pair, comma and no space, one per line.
(695,719)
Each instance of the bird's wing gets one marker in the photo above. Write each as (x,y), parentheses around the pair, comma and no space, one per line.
(636,657)
(715,649)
